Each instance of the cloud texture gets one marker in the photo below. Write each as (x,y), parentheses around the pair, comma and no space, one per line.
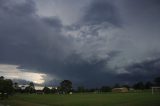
(106,42)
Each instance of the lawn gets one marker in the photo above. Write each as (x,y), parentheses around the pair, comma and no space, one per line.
(104,99)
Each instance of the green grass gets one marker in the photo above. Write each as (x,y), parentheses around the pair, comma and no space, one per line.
(105,99)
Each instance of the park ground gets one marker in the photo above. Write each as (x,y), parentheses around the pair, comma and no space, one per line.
(84,99)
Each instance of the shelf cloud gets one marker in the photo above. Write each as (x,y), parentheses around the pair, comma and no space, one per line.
(91,42)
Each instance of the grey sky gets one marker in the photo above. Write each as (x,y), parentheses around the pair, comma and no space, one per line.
(91,42)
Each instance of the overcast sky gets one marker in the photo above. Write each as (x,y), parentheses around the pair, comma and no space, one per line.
(90,42)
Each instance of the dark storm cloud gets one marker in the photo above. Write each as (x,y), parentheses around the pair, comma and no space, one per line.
(141,5)
(144,9)
(53,22)
(101,11)
(139,44)
(86,53)
(144,71)
(146,68)
(26,38)
(37,43)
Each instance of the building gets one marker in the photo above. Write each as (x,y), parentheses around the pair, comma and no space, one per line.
(123,90)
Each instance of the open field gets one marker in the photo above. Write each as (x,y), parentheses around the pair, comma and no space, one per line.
(105,99)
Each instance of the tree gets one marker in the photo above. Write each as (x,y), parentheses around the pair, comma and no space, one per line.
(81,89)
(30,88)
(105,89)
(126,86)
(6,87)
(46,90)
(139,85)
(1,78)
(54,90)
(148,85)
(157,81)
(59,90)
(31,85)
(66,86)
(16,85)
(117,86)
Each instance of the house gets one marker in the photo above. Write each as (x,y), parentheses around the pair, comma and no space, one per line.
(123,89)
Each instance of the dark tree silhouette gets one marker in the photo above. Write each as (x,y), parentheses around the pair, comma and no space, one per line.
(30,88)
(1,78)
(105,89)
(66,86)
(15,85)
(6,87)
(81,89)
(148,85)
(54,90)
(116,86)
(126,86)
(46,90)
(157,81)
(31,85)
(139,85)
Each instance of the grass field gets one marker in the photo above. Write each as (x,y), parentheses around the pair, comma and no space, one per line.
(105,99)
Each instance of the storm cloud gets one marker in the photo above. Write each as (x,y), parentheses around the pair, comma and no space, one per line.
(107,42)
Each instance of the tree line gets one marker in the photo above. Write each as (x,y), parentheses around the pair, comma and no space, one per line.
(65,87)
(7,87)
(136,86)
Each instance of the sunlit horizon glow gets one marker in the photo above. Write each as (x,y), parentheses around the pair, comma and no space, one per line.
(14,72)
